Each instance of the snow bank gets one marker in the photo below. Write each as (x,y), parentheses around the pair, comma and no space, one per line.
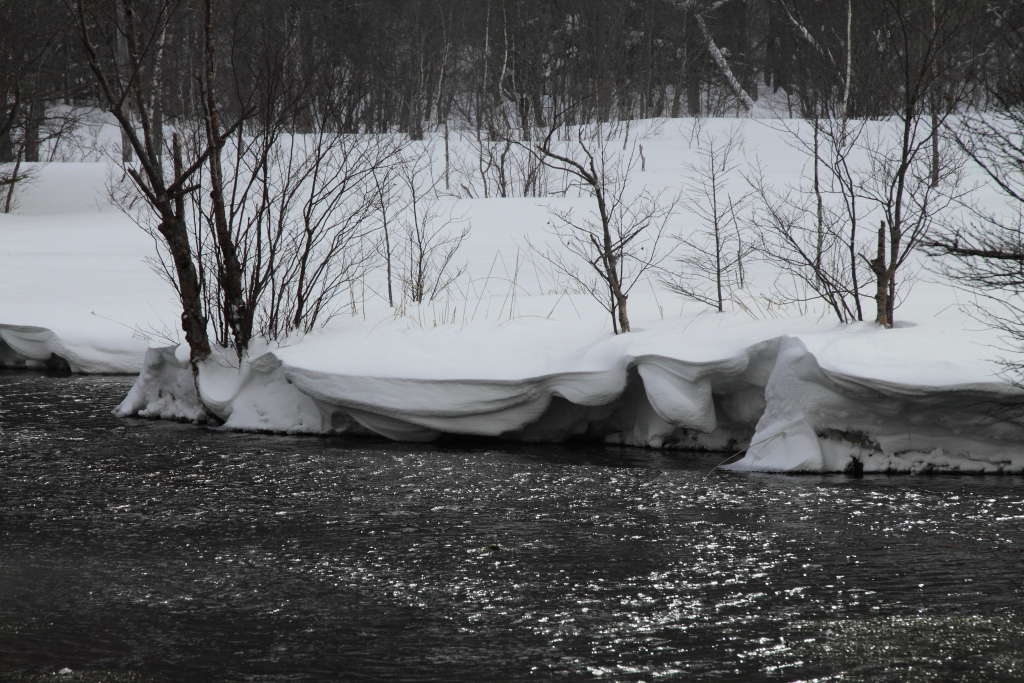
(256,397)
(27,346)
(819,419)
(511,352)
(620,389)
(804,402)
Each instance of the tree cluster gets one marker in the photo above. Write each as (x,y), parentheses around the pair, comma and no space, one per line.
(409,65)
(267,145)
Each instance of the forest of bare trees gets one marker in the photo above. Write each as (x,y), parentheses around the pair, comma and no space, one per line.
(413,65)
(264,141)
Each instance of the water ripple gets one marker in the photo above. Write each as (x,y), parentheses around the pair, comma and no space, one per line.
(169,552)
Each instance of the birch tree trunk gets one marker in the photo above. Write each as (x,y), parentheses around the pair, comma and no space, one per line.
(723,66)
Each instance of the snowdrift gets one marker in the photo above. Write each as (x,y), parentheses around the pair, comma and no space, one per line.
(27,346)
(819,420)
(619,389)
(775,396)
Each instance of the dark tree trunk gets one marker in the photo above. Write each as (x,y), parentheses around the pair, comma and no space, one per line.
(32,125)
(6,148)
(883,305)
(193,322)
(236,311)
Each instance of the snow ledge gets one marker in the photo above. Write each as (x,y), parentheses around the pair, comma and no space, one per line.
(773,396)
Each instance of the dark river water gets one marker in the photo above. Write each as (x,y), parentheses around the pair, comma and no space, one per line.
(144,551)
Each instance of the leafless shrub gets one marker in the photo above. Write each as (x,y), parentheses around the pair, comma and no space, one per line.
(711,265)
(301,211)
(492,162)
(619,240)
(13,176)
(810,230)
(983,250)
(912,181)
(431,231)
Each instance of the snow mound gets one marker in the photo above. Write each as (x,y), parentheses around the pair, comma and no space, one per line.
(823,420)
(797,403)
(605,392)
(253,397)
(648,400)
(26,346)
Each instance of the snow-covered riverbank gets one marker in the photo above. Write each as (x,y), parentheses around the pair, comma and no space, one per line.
(802,395)
(513,353)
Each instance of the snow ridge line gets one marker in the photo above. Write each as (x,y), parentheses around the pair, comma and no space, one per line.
(773,394)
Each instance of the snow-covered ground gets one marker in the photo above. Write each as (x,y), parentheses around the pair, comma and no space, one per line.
(73,281)
(511,352)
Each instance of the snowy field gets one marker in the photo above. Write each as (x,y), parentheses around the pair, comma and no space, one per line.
(511,350)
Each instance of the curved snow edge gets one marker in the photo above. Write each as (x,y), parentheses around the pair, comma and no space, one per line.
(26,346)
(773,396)
(818,420)
(648,400)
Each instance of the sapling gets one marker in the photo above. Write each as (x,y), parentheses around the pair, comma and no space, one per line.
(619,240)
(712,258)
(810,230)
(431,233)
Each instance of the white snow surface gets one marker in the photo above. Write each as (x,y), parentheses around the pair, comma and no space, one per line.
(513,356)
(73,284)
(712,382)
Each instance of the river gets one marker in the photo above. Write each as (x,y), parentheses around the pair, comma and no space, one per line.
(143,551)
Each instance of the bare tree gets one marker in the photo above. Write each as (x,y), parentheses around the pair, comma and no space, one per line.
(985,251)
(807,244)
(812,230)
(720,61)
(911,198)
(711,265)
(327,244)
(270,218)
(237,308)
(912,180)
(619,240)
(299,209)
(165,190)
(909,179)
(385,196)
(495,163)
(38,121)
(431,232)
